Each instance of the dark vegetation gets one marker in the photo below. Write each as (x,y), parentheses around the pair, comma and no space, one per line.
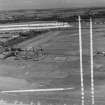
(22,37)
(62,15)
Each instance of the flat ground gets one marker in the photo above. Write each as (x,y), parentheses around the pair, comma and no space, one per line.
(59,69)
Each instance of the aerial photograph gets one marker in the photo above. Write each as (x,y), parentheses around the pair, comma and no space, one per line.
(52,52)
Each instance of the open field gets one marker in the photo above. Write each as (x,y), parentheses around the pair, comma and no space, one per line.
(59,69)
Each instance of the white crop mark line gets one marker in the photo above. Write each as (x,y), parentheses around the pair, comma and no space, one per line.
(37,90)
(91,57)
(81,62)
(33,26)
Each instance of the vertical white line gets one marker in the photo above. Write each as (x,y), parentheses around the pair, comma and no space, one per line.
(91,55)
(81,63)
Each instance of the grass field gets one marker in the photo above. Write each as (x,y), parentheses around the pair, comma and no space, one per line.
(59,69)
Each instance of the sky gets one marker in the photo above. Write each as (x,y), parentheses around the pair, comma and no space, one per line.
(45,4)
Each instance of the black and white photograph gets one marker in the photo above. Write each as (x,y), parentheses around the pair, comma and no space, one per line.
(52,52)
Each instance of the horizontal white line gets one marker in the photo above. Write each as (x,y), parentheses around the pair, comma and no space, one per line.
(27,28)
(40,24)
(37,90)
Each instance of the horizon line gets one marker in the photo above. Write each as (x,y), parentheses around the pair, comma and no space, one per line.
(21,9)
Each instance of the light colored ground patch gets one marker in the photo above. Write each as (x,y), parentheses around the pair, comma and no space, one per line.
(2,102)
(98,66)
(40,40)
(48,59)
(12,70)
(72,58)
(60,59)
(9,83)
(48,74)
(100,91)
(66,58)
(72,52)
